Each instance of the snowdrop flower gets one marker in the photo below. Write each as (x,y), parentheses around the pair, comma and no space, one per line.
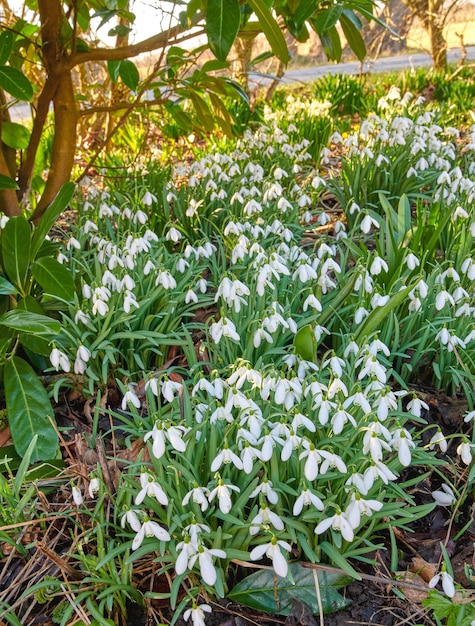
(140,217)
(222,492)
(199,495)
(265,487)
(130,516)
(447,583)
(464,450)
(148,199)
(77,495)
(130,397)
(402,442)
(265,517)
(469,416)
(339,523)
(438,439)
(444,496)
(197,614)
(226,456)
(367,223)
(93,487)
(149,528)
(307,498)
(416,405)
(273,551)
(223,328)
(59,360)
(150,488)
(204,556)
(412,261)
(377,266)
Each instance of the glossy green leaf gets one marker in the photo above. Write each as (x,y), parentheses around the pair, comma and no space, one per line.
(223,18)
(129,74)
(15,83)
(305,343)
(16,238)
(353,37)
(15,135)
(305,9)
(271,29)
(7,183)
(28,322)
(6,288)
(264,591)
(6,46)
(29,411)
(331,44)
(324,20)
(54,278)
(113,69)
(50,216)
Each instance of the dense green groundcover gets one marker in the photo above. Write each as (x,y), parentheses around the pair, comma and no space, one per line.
(260,325)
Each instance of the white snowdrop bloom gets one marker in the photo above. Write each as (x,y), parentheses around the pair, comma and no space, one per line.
(339,523)
(312,458)
(59,360)
(332,461)
(224,327)
(447,583)
(222,492)
(77,495)
(313,302)
(443,178)
(307,498)
(416,405)
(438,439)
(415,304)
(444,496)
(140,217)
(226,455)
(174,235)
(130,397)
(265,487)
(82,317)
(300,420)
(149,528)
(165,278)
(199,495)
(374,445)
(337,386)
(360,314)
(100,308)
(130,516)
(402,442)
(148,199)
(469,416)
(468,268)
(150,487)
(472,229)
(197,614)
(265,517)
(358,507)
(367,223)
(377,266)
(464,450)
(205,556)
(89,227)
(62,258)
(459,213)
(93,487)
(273,551)
(318,181)
(378,300)
(170,389)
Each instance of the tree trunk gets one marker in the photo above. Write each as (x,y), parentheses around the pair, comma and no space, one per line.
(241,63)
(8,198)
(59,74)
(438,45)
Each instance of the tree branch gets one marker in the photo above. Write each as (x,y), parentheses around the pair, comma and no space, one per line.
(119,54)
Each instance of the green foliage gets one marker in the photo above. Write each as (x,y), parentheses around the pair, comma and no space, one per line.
(262,592)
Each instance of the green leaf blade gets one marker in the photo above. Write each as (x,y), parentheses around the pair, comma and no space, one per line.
(24,321)
(129,74)
(6,46)
(263,592)
(223,19)
(271,29)
(29,411)
(15,83)
(54,278)
(16,238)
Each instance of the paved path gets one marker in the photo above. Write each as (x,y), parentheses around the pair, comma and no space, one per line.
(386,64)
(21,112)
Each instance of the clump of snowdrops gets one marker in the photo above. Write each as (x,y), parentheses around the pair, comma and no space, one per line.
(287,435)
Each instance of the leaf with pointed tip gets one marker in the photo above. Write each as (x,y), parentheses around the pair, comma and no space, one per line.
(265,591)
(223,18)
(29,411)
(271,29)
(15,83)
(16,238)
(54,278)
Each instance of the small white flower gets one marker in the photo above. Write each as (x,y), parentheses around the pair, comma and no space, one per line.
(94,485)
(197,614)
(77,495)
(464,450)
(444,496)
(447,583)
(273,551)
(205,560)
(149,528)
(339,523)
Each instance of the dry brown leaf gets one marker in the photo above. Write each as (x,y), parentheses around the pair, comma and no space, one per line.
(425,570)
(413,595)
